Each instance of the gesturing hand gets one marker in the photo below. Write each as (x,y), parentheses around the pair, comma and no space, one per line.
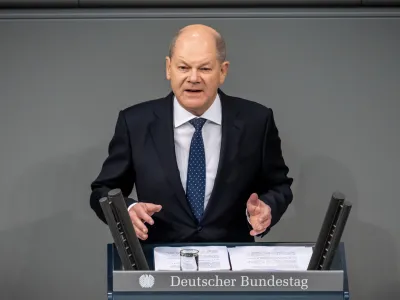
(141,213)
(259,214)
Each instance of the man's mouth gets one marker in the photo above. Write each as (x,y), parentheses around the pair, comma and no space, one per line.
(192,91)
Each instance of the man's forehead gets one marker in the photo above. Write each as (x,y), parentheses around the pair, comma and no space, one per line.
(196,37)
(197,50)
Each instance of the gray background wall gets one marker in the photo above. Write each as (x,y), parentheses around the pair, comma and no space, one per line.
(332,78)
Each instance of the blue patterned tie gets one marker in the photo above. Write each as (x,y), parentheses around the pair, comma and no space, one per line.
(196,175)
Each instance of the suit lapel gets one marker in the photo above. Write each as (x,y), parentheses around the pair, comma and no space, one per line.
(162,132)
(232,131)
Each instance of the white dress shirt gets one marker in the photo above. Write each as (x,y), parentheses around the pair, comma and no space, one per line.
(211,131)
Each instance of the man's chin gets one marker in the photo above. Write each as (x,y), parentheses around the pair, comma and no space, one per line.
(195,106)
(194,100)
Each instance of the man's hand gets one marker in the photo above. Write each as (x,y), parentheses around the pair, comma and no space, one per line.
(259,214)
(141,213)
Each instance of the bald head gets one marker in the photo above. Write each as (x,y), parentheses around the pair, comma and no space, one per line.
(202,33)
(196,67)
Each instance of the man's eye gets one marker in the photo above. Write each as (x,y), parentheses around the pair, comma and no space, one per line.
(206,69)
(182,68)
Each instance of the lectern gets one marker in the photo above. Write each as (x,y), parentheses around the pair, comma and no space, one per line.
(153,285)
(131,274)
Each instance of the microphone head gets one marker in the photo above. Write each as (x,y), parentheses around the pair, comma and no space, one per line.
(338,196)
(103,200)
(114,193)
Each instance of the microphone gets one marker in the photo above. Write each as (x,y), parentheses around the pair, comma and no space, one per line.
(330,233)
(125,239)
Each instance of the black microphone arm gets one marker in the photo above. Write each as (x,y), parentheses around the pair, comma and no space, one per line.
(331,232)
(125,239)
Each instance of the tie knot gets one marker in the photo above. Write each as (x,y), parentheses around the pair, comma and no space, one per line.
(197,123)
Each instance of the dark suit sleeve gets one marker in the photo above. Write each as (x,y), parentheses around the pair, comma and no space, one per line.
(275,185)
(117,170)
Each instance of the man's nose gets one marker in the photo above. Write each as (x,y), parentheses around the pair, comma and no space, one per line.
(194,78)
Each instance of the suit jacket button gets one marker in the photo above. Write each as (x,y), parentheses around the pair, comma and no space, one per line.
(199,228)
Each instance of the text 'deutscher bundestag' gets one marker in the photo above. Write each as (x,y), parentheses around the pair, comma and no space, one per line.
(225,281)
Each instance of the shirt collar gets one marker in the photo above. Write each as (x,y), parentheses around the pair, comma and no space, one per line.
(213,113)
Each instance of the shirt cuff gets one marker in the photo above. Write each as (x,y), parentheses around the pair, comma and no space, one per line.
(248,216)
(132,205)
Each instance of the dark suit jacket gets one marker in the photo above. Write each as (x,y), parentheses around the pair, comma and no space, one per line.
(142,152)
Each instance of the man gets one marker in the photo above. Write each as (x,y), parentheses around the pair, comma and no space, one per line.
(207,167)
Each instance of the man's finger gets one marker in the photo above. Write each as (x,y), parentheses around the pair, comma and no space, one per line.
(253,200)
(253,204)
(265,216)
(152,208)
(264,225)
(144,216)
(143,213)
(138,224)
(256,232)
(261,226)
(261,223)
(140,234)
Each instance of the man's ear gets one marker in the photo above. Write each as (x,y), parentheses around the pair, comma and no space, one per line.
(224,71)
(168,67)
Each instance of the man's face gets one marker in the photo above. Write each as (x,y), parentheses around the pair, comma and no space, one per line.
(195,72)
